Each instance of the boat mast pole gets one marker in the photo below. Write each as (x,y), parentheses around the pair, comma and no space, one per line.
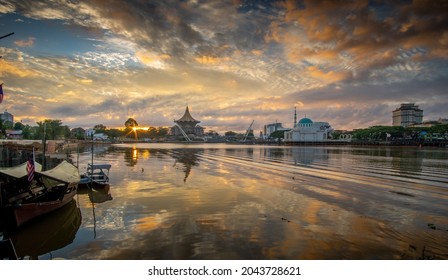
(91,166)
(77,155)
(44,144)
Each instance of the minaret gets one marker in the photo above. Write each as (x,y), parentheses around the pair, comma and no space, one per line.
(295,117)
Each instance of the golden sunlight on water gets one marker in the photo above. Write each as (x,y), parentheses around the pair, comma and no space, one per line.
(204,201)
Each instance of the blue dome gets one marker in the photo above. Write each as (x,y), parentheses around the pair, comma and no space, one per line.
(305,121)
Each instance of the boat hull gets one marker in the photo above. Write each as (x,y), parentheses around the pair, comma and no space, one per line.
(26,212)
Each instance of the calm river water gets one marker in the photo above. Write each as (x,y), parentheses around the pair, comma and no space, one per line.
(217,201)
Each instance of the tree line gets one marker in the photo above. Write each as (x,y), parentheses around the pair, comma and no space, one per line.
(390,133)
(54,129)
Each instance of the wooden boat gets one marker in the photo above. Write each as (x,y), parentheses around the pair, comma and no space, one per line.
(50,190)
(48,233)
(97,175)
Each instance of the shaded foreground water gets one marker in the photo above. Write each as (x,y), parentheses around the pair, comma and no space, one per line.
(215,201)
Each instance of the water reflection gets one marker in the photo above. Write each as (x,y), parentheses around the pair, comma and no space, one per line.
(131,156)
(97,195)
(255,202)
(48,233)
(188,158)
(307,155)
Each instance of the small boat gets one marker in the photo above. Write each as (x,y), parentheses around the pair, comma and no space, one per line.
(49,190)
(97,175)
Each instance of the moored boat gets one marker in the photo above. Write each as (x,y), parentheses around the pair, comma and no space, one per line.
(97,175)
(48,191)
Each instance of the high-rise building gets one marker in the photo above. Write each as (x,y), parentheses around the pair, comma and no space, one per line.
(408,114)
(272,127)
(7,117)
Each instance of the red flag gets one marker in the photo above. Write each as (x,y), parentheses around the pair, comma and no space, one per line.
(1,93)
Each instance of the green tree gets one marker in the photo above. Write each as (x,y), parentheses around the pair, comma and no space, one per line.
(26,132)
(53,129)
(230,133)
(78,133)
(162,131)
(19,126)
(114,133)
(99,128)
(280,134)
(2,129)
(152,132)
(130,123)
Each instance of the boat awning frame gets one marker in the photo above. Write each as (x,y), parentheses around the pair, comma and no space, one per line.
(19,171)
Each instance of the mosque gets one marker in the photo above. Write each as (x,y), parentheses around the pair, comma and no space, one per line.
(188,125)
(308,131)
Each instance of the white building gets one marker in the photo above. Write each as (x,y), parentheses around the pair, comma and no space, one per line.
(308,131)
(408,114)
(273,127)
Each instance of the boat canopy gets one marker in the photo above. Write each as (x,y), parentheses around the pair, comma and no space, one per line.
(99,166)
(64,172)
(19,171)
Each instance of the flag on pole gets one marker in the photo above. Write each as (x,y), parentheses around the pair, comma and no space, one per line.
(1,93)
(30,168)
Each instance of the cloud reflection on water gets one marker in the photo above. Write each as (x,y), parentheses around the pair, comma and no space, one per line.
(265,203)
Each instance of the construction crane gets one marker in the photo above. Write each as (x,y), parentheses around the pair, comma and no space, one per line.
(4,36)
(248,131)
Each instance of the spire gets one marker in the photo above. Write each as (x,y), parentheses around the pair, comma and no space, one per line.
(295,116)
(187,117)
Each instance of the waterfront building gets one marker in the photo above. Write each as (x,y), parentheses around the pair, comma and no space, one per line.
(442,121)
(7,117)
(14,134)
(187,124)
(407,114)
(308,131)
(271,128)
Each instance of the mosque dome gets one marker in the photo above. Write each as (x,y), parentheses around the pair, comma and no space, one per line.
(305,121)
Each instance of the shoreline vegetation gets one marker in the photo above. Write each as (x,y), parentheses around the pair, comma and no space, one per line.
(58,146)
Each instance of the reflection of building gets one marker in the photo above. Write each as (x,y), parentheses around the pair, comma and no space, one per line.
(307,155)
(408,114)
(188,124)
(7,117)
(188,157)
(308,131)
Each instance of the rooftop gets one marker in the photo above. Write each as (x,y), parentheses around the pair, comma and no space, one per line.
(187,117)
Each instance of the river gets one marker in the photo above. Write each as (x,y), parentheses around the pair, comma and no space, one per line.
(217,201)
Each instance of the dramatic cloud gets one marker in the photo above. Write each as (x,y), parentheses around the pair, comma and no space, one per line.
(27,43)
(349,63)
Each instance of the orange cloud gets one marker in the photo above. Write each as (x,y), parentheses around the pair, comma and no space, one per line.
(257,52)
(326,77)
(10,68)
(25,43)
(210,59)
(152,59)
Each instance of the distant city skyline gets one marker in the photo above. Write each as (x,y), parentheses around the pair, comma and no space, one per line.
(231,62)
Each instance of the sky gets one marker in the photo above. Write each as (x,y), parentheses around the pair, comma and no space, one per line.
(232,62)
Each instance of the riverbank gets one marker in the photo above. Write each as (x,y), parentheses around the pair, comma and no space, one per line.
(16,151)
